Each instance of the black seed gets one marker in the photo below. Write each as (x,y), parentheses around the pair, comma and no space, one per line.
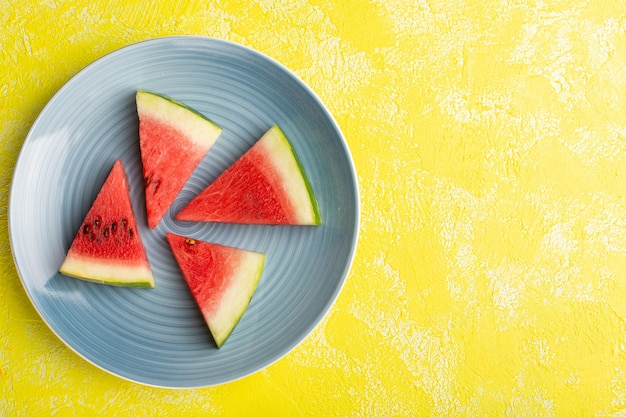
(86,229)
(130,233)
(113,226)
(96,221)
(124,223)
(105,232)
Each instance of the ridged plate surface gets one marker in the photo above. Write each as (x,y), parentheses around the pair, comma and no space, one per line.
(157,336)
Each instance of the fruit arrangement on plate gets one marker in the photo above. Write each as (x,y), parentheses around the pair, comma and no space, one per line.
(266,185)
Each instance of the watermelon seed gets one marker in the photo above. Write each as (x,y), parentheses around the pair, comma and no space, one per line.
(190,241)
(130,233)
(113,226)
(96,221)
(124,223)
(150,183)
(105,232)
(86,229)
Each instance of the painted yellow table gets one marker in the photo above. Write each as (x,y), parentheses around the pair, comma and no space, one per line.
(490,143)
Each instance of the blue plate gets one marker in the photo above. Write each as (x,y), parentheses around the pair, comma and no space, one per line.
(157,336)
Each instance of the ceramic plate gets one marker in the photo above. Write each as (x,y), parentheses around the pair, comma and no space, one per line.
(157,336)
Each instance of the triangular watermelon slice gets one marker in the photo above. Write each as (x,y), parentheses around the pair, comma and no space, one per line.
(173,139)
(107,248)
(222,280)
(266,185)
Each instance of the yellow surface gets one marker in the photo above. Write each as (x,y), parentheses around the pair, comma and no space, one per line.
(489,139)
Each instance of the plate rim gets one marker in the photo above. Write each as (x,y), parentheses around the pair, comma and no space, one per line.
(347,264)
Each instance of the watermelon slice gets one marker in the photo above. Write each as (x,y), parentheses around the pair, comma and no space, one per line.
(107,248)
(222,280)
(266,185)
(173,139)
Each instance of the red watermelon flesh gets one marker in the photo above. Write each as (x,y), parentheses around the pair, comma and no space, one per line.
(222,280)
(107,247)
(266,185)
(173,139)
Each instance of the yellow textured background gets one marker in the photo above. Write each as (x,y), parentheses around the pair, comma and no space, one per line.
(489,139)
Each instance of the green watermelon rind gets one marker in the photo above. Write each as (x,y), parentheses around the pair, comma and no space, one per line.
(221,338)
(317,218)
(125,284)
(181,104)
(107,272)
